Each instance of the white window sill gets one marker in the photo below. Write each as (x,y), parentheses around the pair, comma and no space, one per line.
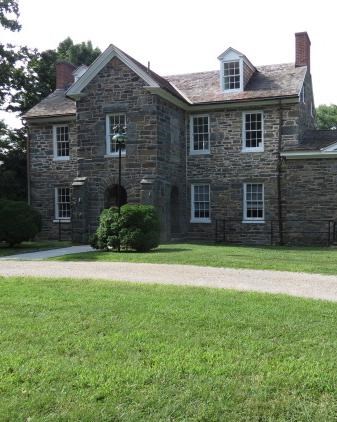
(114,155)
(229,91)
(61,158)
(62,220)
(253,222)
(200,152)
(252,150)
(200,220)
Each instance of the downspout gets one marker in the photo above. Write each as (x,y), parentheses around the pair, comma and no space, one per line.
(187,209)
(279,175)
(28,167)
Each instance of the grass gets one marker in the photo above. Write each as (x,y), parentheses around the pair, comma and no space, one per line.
(32,247)
(305,259)
(107,351)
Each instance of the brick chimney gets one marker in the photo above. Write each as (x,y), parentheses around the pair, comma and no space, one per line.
(64,74)
(302,49)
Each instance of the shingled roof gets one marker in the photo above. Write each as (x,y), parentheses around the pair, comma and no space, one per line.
(315,140)
(268,82)
(280,80)
(56,104)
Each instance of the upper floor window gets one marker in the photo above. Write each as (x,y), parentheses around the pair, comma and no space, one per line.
(61,142)
(253,202)
(252,131)
(231,75)
(200,201)
(199,134)
(62,203)
(112,120)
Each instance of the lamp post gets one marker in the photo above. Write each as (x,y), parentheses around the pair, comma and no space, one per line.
(119,138)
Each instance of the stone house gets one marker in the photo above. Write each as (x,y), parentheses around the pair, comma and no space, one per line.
(230,154)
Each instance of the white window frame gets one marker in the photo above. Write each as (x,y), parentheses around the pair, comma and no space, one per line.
(252,219)
(244,147)
(108,134)
(55,156)
(57,211)
(222,76)
(193,218)
(199,151)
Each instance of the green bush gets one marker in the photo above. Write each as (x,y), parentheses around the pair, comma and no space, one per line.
(18,222)
(137,227)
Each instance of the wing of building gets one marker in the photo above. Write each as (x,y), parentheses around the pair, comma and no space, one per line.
(230,154)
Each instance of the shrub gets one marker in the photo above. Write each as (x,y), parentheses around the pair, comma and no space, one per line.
(137,227)
(18,222)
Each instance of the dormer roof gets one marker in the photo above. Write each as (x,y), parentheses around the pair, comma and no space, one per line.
(231,54)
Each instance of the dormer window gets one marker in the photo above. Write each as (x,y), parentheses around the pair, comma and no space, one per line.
(235,71)
(231,75)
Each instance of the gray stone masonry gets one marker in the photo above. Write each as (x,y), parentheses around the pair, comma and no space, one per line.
(158,168)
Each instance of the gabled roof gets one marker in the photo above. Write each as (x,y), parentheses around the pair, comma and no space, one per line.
(230,52)
(187,90)
(150,78)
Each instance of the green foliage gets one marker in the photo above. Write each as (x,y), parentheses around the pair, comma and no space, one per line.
(77,54)
(35,78)
(326,116)
(9,13)
(140,227)
(18,222)
(137,227)
(13,167)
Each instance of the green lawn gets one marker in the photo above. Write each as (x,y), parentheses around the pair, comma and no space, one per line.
(106,351)
(307,259)
(32,247)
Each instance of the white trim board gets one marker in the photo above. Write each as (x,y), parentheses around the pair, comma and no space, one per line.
(297,155)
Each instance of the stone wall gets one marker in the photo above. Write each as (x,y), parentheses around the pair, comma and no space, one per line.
(227,168)
(309,199)
(154,147)
(46,174)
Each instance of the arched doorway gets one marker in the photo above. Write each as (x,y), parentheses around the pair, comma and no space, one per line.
(111,196)
(174,211)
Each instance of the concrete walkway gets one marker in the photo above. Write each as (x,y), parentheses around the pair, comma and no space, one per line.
(295,284)
(50,253)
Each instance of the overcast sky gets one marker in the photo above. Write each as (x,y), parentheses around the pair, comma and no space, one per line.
(179,36)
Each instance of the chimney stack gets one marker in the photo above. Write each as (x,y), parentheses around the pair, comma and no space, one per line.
(64,74)
(302,49)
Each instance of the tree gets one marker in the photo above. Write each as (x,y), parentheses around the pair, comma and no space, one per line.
(36,77)
(9,55)
(13,173)
(326,116)
(9,13)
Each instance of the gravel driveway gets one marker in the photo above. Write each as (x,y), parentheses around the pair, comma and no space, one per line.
(296,284)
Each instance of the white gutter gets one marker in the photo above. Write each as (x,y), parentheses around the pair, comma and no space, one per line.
(308,155)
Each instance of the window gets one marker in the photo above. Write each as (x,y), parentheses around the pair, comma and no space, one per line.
(62,203)
(253,202)
(200,212)
(231,75)
(253,131)
(111,121)
(199,134)
(61,142)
